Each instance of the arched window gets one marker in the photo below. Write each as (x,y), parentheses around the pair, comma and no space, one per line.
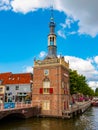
(51,40)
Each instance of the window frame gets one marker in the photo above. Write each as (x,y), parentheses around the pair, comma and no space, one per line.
(46,105)
(1,89)
(7,88)
(17,87)
(46,87)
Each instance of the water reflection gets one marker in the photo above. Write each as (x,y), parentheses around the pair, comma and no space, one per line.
(87,121)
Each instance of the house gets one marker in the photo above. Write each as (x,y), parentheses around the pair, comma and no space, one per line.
(18,87)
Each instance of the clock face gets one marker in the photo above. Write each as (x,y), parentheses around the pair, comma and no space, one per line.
(46,72)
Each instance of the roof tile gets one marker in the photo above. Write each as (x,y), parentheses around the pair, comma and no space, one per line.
(20,78)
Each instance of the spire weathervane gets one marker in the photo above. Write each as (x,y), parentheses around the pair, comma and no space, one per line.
(52,17)
(52,23)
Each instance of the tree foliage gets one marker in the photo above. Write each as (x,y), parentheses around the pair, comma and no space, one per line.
(96,92)
(78,84)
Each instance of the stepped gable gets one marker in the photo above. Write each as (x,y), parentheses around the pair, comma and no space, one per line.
(20,78)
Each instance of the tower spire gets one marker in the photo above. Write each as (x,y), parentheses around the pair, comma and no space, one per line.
(52,48)
(52,17)
(52,23)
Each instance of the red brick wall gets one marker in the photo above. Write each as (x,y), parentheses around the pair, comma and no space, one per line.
(56,76)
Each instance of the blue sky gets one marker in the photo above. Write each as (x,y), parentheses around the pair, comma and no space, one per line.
(24,27)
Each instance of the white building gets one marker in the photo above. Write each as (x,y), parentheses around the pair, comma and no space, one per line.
(18,87)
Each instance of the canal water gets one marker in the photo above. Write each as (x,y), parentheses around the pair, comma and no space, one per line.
(86,121)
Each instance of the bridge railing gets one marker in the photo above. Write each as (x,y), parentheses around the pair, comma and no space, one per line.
(23,105)
(14,105)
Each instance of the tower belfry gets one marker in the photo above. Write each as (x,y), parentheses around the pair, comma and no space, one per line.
(52,48)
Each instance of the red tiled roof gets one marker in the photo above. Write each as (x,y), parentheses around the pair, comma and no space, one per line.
(21,78)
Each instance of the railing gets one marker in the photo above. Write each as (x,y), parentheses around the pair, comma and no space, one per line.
(14,105)
(78,106)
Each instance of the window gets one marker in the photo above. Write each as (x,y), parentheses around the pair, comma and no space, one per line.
(67,85)
(7,88)
(9,94)
(1,89)
(46,87)
(62,84)
(46,105)
(51,40)
(46,90)
(17,87)
(66,88)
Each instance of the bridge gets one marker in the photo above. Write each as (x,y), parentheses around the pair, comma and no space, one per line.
(18,109)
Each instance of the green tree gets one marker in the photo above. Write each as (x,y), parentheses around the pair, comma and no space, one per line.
(78,84)
(96,92)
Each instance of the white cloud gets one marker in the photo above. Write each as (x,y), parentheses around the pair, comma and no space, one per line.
(5,5)
(42,54)
(62,33)
(66,28)
(83,11)
(85,67)
(26,6)
(72,33)
(28,69)
(96,59)
(93,84)
(67,23)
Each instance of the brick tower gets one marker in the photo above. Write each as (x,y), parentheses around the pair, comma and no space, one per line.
(51,79)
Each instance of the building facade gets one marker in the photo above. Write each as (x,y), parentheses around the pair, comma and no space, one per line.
(18,87)
(51,80)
